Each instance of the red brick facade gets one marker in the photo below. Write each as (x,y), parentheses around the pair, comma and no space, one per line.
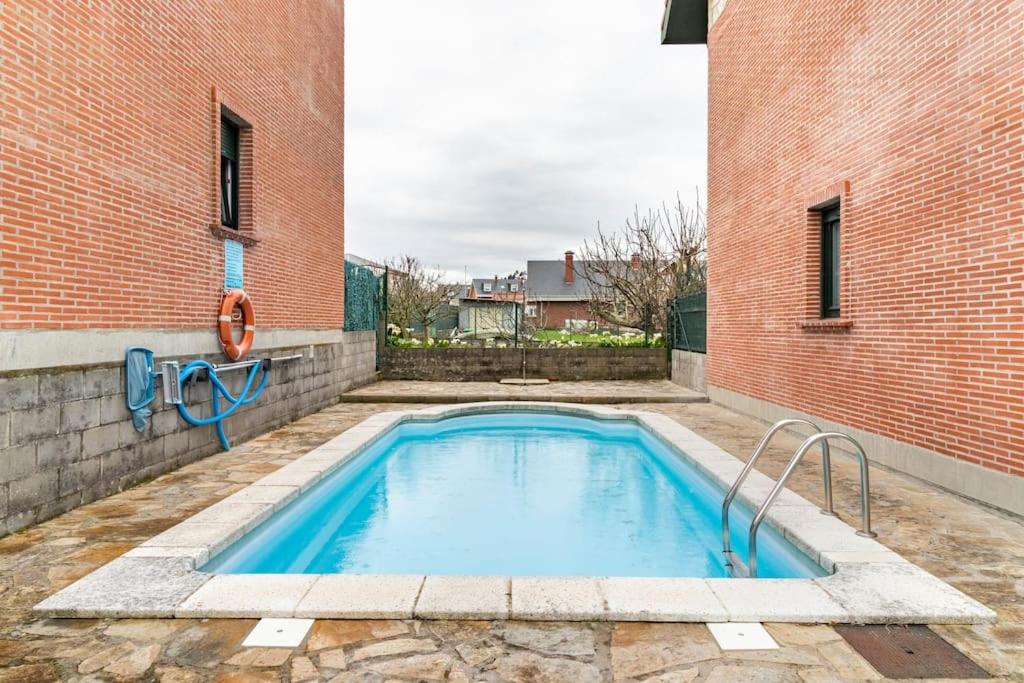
(554,314)
(912,115)
(109,144)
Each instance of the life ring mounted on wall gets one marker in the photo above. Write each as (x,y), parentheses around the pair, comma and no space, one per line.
(236,298)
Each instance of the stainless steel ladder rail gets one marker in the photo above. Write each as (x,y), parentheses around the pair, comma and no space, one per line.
(762,445)
(865,492)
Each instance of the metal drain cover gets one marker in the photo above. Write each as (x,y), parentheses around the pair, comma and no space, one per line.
(909,652)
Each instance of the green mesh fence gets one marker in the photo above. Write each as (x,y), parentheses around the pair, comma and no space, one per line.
(362,298)
(688,322)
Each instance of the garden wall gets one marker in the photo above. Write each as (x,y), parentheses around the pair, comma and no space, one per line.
(66,436)
(483,365)
(688,370)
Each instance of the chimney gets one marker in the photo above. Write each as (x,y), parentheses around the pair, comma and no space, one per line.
(634,262)
(570,271)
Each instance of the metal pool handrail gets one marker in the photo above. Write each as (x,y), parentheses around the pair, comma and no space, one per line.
(865,492)
(826,466)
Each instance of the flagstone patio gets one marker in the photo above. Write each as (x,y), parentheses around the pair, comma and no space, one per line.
(977,550)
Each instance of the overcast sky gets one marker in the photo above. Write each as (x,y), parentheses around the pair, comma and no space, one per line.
(483,133)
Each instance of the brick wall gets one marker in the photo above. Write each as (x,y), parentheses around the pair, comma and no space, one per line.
(492,365)
(109,160)
(66,436)
(554,314)
(913,114)
(715,9)
(111,236)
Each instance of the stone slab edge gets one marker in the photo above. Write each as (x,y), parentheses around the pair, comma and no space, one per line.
(481,398)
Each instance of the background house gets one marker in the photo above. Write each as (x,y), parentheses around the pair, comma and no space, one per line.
(559,293)
(489,307)
(865,213)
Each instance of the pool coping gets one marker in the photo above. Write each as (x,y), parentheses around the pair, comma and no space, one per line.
(870,583)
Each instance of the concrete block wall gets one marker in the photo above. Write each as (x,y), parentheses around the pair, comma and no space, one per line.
(689,370)
(491,365)
(66,436)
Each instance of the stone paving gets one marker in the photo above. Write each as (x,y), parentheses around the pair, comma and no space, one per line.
(977,550)
(605,392)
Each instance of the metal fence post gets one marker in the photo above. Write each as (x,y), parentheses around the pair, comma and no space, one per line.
(515,316)
(684,311)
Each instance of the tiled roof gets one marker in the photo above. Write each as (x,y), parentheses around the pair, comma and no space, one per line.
(546,281)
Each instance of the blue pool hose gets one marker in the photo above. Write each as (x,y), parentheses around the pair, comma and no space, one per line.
(217,388)
(139,375)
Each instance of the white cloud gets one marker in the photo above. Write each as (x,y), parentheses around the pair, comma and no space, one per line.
(481,133)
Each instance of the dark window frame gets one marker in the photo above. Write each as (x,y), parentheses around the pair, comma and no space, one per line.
(831,263)
(230,171)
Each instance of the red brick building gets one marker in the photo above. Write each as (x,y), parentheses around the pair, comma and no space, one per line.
(866,225)
(136,141)
(562,315)
(559,293)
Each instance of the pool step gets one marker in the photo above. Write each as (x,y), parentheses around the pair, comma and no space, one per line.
(737,567)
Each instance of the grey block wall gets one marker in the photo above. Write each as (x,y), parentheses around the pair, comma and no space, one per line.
(66,436)
(689,370)
(489,365)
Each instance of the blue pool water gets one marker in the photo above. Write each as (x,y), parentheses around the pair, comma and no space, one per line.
(510,494)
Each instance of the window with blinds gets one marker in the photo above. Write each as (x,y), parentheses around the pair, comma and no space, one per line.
(229,173)
(830,262)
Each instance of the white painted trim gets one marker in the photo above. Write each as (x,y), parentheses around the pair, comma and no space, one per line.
(39,349)
(715,9)
(558,299)
(998,489)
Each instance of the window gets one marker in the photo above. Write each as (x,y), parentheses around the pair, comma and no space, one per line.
(487,287)
(513,287)
(531,310)
(229,173)
(830,262)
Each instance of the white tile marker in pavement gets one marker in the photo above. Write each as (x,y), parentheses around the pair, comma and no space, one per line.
(278,633)
(742,636)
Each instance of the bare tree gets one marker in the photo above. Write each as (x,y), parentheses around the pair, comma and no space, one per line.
(419,295)
(634,272)
(530,325)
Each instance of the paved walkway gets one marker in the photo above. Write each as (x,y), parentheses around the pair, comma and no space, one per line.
(980,552)
(611,392)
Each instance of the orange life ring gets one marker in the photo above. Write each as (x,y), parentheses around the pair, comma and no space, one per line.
(232,298)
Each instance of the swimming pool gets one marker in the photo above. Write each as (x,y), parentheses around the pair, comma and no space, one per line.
(510,494)
(423,492)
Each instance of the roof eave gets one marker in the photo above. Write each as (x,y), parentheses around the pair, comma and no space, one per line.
(685,22)
(560,298)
